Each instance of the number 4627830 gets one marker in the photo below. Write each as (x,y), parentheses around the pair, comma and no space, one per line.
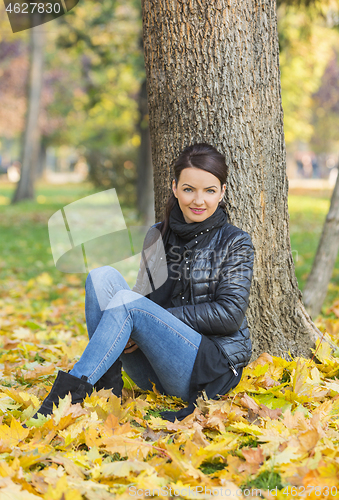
(306,492)
(31,7)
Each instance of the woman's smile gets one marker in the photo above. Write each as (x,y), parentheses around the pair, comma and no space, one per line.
(198,211)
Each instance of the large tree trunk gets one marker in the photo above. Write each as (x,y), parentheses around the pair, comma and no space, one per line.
(317,282)
(31,140)
(213,76)
(145,192)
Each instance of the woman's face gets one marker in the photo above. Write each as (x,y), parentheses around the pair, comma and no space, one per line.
(198,193)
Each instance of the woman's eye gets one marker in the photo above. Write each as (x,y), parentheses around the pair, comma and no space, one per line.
(188,190)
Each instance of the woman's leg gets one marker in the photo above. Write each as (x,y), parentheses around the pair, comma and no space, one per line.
(101,285)
(139,369)
(169,345)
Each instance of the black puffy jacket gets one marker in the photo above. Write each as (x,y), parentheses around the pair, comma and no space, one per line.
(220,280)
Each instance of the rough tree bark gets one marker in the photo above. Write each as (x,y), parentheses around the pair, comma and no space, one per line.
(213,76)
(145,192)
(317,282)
(31,139)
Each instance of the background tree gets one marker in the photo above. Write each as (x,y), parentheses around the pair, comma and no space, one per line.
(145,189)
(32,134)
(325,123)
(104,38)
(306,42)
(14,70)
(315,290)
(213,76)
(309,81)
(93,75)
(325,117)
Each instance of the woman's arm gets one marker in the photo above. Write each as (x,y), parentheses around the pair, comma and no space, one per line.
(226,313)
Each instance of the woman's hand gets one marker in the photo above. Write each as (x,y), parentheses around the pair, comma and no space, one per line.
(131,346)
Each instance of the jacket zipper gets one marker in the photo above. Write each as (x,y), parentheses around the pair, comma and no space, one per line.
(224,352)
(230,363)
(191,284)
(149,273)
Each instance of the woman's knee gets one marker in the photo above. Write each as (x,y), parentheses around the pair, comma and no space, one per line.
(124,297)
(101,275)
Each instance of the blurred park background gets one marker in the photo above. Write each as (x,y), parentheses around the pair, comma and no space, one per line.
(93,125)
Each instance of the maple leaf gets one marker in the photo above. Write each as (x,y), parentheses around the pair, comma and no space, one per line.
(216,421)
(92,438)
(87,426)
(113,428)
(284,457)
(199,439)
(6,403)
(127,447)
(38,371)
(123,469)
(39,421)
(11,491)
(249,403)
(254,459)
(268,382)
(13,434)
(229,490)
(6,470)
(34,457)
(308,439)
(233,465)
(326,475)
(62,489)
(323,351)
(66,412)
(268,413)
(245,428)
(70,467)
(151,482)
(150,435)
(25,399)
(263,360)
(189,462)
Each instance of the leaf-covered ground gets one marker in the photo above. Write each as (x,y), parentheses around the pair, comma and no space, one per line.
(277,431)
(279,427)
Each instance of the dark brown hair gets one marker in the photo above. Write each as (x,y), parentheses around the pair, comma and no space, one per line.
(203,156)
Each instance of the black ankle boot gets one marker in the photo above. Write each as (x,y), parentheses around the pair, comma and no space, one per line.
(112,379)
(65,383)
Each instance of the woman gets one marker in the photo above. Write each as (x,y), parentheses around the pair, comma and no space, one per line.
(183,326)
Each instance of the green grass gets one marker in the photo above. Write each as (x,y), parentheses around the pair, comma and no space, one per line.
(267,480)
(24,240)
(211,467)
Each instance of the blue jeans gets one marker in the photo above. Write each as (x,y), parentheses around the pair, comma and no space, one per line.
(167,346)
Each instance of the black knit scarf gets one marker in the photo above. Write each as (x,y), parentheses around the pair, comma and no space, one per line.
(194,230)
(196,235)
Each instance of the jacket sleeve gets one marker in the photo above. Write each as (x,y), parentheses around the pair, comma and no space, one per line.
(225,314)
(138,287)
(148,256)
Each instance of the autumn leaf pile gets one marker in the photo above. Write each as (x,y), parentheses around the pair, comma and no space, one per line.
(278,428)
